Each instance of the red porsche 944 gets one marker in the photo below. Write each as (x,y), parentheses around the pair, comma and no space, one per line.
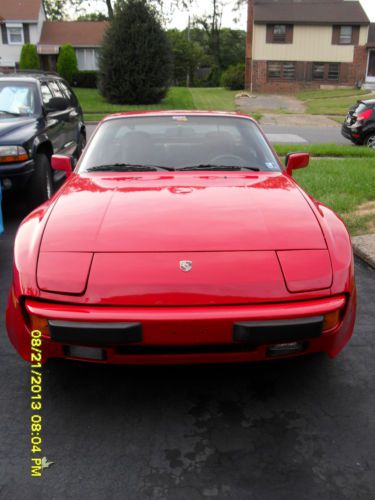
(180,238)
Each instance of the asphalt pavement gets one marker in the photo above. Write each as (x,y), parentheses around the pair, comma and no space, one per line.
(293,429)
(291,135)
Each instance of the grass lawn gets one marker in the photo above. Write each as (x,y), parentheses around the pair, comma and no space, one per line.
(332,102)
(95,107)
(331,150)
(345,185)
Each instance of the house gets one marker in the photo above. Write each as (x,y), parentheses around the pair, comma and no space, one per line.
(85,37)
(309,43)
(24,21)
(21,22)
(370,67)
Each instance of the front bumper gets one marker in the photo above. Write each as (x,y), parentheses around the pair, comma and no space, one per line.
(17,173)
(180,335)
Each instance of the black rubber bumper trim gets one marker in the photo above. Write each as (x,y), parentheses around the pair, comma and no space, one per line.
(95,334)
(256,333)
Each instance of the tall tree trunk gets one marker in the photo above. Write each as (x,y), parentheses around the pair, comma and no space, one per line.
(110,8)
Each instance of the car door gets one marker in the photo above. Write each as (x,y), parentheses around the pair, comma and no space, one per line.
(73,118)
(54,124)
(68,142)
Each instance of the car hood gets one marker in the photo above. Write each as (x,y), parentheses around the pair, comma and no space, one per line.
(184,211)
(9,124)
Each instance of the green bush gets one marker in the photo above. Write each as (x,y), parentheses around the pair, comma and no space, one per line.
(234,77)
(85,79)
(29,57)
(135,59)
(67,62)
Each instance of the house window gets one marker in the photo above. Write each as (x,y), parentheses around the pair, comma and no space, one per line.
(333,71)
(346,35)
(281,70)
(326,71)
(279,33)
(15,34)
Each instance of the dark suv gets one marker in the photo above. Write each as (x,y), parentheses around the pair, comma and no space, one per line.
(359,124)
(39,116)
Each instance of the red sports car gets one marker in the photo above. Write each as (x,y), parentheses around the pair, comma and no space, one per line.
(180,238)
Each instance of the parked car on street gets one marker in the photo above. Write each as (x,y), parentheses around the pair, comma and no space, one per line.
(39,116)
(181,238)
(359,124)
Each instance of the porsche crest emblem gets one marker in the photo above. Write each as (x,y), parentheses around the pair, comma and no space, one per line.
(186,265)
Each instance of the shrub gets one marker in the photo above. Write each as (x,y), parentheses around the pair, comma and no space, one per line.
(67,62)
(135,59)
(29,57)
(85,79)
(234,77)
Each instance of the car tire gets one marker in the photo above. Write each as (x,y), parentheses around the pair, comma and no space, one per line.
(370,141)
(40,187)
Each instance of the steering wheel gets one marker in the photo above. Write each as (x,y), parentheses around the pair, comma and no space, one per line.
(228,160)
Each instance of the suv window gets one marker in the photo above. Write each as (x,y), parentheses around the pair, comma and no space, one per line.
(46,93)
(57,92)
(68,93)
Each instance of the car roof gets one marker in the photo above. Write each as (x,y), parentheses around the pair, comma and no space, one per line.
(31,75)
(176,112)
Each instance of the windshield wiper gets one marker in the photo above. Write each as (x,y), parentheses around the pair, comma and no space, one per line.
(218,167)
(127,167)
(9,113)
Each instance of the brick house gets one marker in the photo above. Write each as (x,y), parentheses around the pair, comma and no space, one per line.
(309,43)
(21,22)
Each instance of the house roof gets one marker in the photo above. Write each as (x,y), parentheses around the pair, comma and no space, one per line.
(310,12)
(76,33)
(19,10)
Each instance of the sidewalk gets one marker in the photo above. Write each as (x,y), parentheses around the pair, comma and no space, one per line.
(364,247)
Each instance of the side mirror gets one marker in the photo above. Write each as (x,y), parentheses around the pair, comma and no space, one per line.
(293,161)
(64,163)
(57,104)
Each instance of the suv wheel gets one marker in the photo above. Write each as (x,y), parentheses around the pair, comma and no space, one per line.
(40,187)
(81,144)
(370,141)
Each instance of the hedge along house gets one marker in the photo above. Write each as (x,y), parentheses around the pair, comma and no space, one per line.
(309,43)
(85,37)
(21,22)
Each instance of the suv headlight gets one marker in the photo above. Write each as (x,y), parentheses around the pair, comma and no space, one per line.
(10,154)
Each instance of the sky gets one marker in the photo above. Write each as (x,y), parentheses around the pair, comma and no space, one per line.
(179,19)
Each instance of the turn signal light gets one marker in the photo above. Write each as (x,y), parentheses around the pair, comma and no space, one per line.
(331,320)
(41,324)
(11,154)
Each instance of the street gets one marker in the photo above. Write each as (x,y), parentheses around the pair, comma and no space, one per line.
(291,135)
(294,429)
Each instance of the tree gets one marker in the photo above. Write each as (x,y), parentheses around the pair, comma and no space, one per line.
(29,57)
(93,16)
(67,62)
(55,9)
(187,56)
(135,59)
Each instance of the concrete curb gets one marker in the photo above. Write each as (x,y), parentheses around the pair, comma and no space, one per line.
(364,248)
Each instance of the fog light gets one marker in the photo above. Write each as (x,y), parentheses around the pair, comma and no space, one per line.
(75,351)
(7,184)
(286,348)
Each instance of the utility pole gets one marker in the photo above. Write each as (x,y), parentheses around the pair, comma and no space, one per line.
(188,71)
(249,46)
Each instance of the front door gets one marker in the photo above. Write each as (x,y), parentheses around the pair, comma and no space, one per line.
(370,77)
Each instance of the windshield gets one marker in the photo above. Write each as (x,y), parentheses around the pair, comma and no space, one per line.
(17,99)
(187,142)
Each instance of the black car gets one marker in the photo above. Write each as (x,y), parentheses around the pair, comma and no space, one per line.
(39,116)
(359,124)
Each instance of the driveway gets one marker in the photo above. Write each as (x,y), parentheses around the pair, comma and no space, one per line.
(281,430)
